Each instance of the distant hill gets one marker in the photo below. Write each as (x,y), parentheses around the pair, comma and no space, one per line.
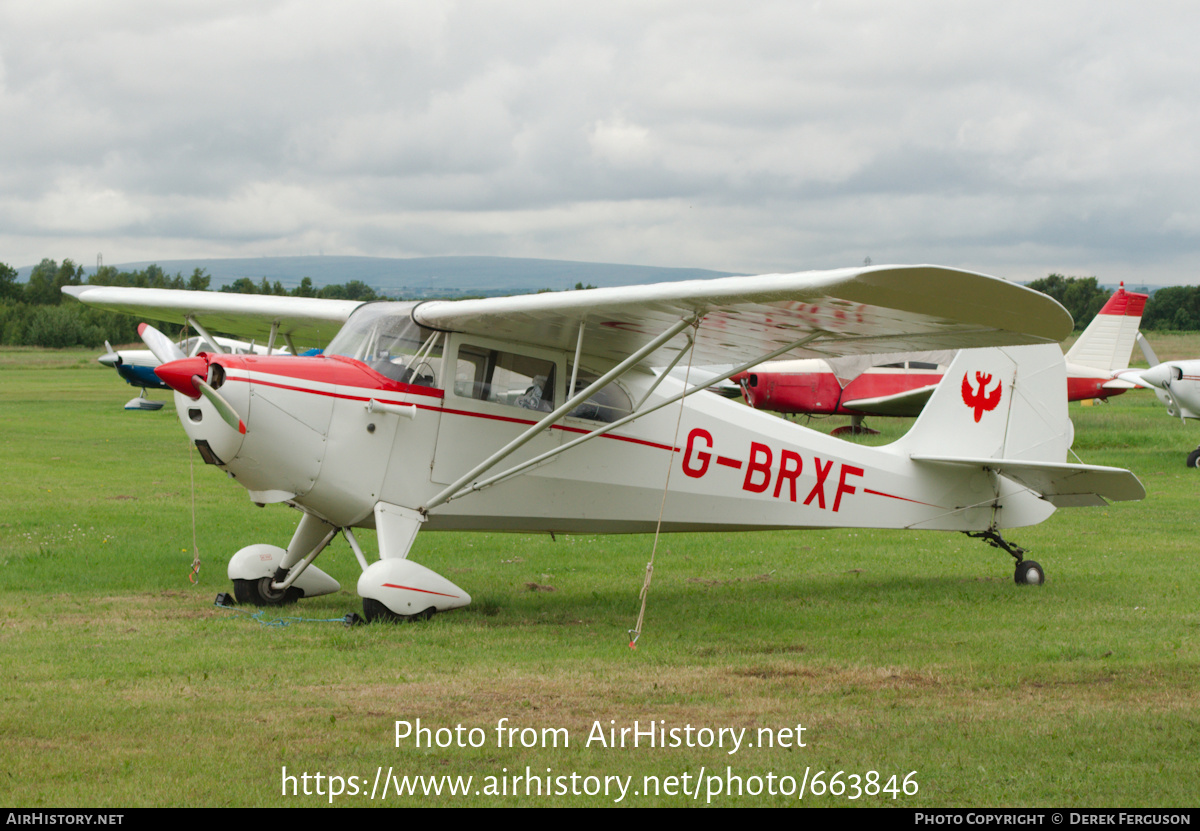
(423,276)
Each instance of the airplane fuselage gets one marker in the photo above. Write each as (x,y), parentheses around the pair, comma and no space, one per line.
(311,440)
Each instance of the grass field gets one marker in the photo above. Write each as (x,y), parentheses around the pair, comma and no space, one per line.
(905,654)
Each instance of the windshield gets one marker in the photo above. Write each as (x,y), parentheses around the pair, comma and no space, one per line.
(384,337)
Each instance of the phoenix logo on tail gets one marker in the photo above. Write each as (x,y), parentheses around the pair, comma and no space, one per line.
(975,399)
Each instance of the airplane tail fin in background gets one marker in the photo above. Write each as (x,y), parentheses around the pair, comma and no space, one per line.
(1108,340)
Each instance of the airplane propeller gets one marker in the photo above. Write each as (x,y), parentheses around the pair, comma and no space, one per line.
(187,375)
(110,357)
(224,408)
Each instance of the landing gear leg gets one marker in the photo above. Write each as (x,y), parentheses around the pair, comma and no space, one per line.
(856,427)
(1028,572)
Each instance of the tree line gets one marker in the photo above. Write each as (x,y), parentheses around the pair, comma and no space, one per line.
(35,313)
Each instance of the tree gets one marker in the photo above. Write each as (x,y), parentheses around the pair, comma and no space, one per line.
(353,290)
(1081,296)
(1173,307)
(9,289)
(45,283)
(242,285)
(199,280)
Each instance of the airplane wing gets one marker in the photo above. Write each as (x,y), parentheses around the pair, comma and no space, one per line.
(1063,485)
(848,311)
(248,315)
(903,404)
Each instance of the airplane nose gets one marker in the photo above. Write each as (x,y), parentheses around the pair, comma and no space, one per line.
(111,359)
(1160,376)
(178,374)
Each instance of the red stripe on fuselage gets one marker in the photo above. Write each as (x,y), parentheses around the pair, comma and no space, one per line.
(901,498)
(350,373)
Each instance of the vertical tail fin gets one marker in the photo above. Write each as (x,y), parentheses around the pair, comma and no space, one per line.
(1005,403)
(1108,340)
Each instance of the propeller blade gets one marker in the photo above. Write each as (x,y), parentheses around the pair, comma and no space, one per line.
(223,407)
(1147,352)
(163,347)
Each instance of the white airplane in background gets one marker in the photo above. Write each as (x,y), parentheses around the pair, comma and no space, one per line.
(900,384)
(136,366)
(540,413)
(1177,385)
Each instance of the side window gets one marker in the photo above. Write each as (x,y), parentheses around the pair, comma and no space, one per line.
(504,378)
(608,405)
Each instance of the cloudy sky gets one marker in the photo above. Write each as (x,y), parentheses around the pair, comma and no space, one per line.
(1014,138)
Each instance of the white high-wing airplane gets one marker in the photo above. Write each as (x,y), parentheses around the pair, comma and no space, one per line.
(541,413)
(1177,385)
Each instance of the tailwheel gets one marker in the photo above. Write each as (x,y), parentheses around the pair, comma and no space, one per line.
(259,593)
(376,612)
(1029,573)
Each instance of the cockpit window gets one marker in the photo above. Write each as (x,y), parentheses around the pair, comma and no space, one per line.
(504,378)
(384,337)
(607,405)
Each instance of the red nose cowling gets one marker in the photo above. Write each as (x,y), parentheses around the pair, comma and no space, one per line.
(178,374)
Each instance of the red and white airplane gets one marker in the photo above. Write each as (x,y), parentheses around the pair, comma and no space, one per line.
(899,385)
(542,413)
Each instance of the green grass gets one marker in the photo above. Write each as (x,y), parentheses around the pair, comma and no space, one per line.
(124,686)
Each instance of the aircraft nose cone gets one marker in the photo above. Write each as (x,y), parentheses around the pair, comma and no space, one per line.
(111,359)
(178,374)
(1158,376)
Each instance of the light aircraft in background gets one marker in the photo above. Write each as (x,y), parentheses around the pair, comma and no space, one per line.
(541,413)
(136,366)
(900,384)
(1177,385)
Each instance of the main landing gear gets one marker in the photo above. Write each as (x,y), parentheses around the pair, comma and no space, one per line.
(1193,459)
(856,427)
(393,588)
(1027,572)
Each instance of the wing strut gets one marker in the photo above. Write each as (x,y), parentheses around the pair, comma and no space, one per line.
(195,324)
(600,431)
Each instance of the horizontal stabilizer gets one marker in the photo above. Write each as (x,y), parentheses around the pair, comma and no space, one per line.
(1059,483)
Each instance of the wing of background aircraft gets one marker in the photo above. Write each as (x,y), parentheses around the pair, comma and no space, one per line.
(902,404)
